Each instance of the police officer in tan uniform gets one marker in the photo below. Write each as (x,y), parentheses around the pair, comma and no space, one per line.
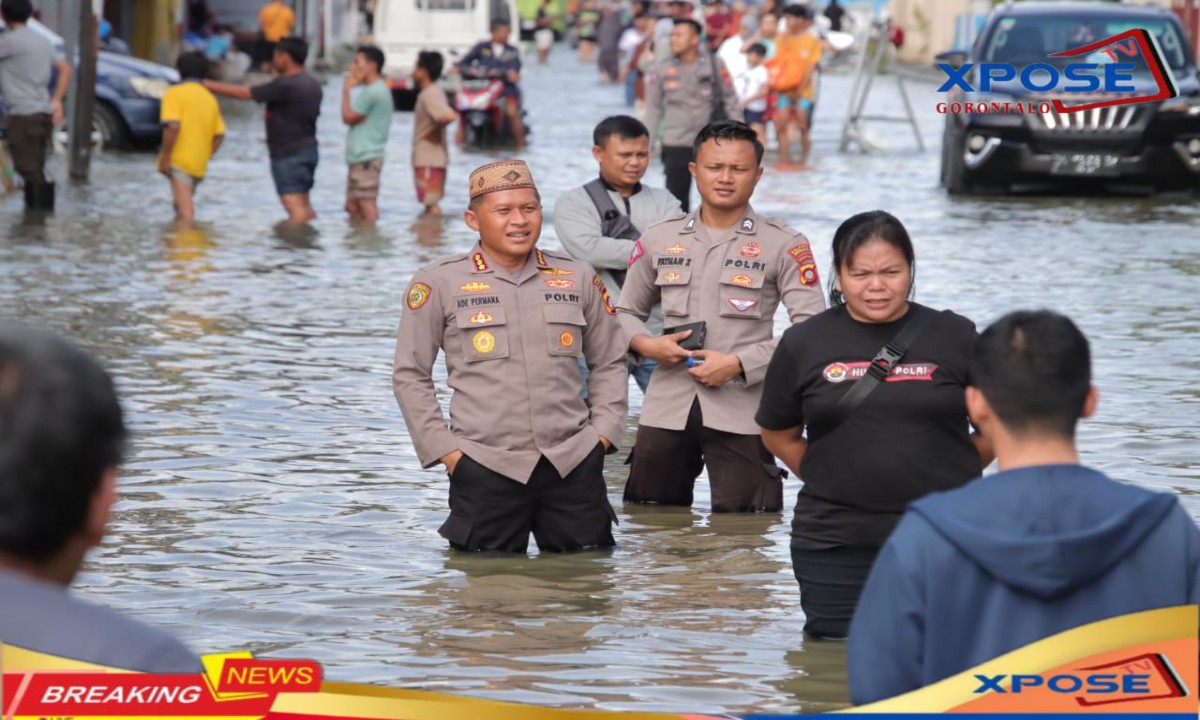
(523,451)
(729,268)
(681,91)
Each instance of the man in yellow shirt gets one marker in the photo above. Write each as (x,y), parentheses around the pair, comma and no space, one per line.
(276,21)
(193,130)
(796,105)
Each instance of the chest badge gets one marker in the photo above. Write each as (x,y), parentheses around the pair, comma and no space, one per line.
(836,372)
(556,271)
(560,284)
(480,318)
(675,249)
(484,342)
(741,279)
(475,287)
(671,277)
(751,250)
(567,339)
(742,304)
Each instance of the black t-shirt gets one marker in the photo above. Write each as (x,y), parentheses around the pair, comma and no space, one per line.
(293,104)
(908,438)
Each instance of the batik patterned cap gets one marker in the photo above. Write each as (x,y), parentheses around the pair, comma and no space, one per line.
(503,175)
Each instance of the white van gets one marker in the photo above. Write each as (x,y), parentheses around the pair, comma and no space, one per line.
(403,28)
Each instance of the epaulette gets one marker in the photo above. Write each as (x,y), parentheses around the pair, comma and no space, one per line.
(450,259)
(671,219)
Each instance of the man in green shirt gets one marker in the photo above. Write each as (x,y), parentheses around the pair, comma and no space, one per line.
(369,115)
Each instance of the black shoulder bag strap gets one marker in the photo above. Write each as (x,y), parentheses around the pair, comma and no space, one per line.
(613,223)
(881,366)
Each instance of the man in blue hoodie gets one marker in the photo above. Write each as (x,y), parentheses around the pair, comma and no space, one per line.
(1043,546)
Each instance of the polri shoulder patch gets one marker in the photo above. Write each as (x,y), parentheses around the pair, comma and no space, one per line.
(418,294)
(608,306)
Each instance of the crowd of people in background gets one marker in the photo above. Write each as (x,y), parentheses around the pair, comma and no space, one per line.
(769,55)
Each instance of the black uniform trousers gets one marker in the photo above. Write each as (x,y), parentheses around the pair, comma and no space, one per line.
(742,473)
(679,179)
(489,511)
(831,580)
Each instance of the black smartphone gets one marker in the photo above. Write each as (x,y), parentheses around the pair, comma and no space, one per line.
(695,341)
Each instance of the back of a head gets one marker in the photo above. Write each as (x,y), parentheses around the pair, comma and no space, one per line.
(294,47)
(16,10)
(1034,369)
(624,127)
(498,24)
(432,62)
(61,427)
(192,66)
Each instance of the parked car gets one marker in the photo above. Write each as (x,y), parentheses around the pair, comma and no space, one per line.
(129,92)
(1149,144)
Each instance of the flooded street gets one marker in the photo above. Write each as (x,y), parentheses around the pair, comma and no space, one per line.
(272,500)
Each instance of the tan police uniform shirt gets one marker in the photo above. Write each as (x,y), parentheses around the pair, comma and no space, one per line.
(733,282)
(512,344)
(681,95)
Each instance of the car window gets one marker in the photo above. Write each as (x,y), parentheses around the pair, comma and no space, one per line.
(1026,40)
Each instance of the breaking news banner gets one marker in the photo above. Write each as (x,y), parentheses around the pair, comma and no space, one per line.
(1131,666)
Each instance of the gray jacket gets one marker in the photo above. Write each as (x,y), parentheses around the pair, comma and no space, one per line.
(578,226)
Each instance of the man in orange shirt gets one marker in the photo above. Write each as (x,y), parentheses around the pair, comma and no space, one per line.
(276,20)
(796,105)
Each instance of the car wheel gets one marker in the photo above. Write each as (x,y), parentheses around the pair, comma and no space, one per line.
(954,170)
(108,131)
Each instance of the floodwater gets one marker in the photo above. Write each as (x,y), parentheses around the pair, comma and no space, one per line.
(272,500)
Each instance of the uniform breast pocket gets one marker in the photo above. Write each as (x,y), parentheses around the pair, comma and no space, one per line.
(741,294)
(564,329)
(485,333)
(674,283)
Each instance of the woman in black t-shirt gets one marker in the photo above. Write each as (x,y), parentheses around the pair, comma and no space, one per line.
(909,437)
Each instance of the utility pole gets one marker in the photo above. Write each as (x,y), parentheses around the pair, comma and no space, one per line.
(80,142)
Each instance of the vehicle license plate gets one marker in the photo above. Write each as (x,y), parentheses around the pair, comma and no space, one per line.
(1084,164)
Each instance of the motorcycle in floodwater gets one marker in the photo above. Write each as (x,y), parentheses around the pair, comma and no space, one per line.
(481,110)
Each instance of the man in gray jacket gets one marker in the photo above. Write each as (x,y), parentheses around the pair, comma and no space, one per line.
(599,222)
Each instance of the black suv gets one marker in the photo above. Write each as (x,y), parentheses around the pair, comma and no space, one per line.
(1154,144)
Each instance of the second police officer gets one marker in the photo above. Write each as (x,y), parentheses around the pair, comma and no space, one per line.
(728,268)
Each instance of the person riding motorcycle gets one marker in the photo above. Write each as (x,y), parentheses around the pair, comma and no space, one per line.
(496,58)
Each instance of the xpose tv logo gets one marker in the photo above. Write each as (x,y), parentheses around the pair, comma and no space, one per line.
(1144,677)
(1107,68)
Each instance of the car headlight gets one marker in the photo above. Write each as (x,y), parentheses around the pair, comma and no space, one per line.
(1189,104)
(149,87)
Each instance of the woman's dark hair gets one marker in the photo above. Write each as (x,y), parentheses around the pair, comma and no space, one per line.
(860,229)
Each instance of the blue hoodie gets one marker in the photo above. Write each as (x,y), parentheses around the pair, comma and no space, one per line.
(1008,559)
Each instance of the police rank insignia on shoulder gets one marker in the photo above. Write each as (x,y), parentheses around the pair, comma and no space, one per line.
(479,261)
(418,295)
(802,254)
(748,225)
(608,306)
